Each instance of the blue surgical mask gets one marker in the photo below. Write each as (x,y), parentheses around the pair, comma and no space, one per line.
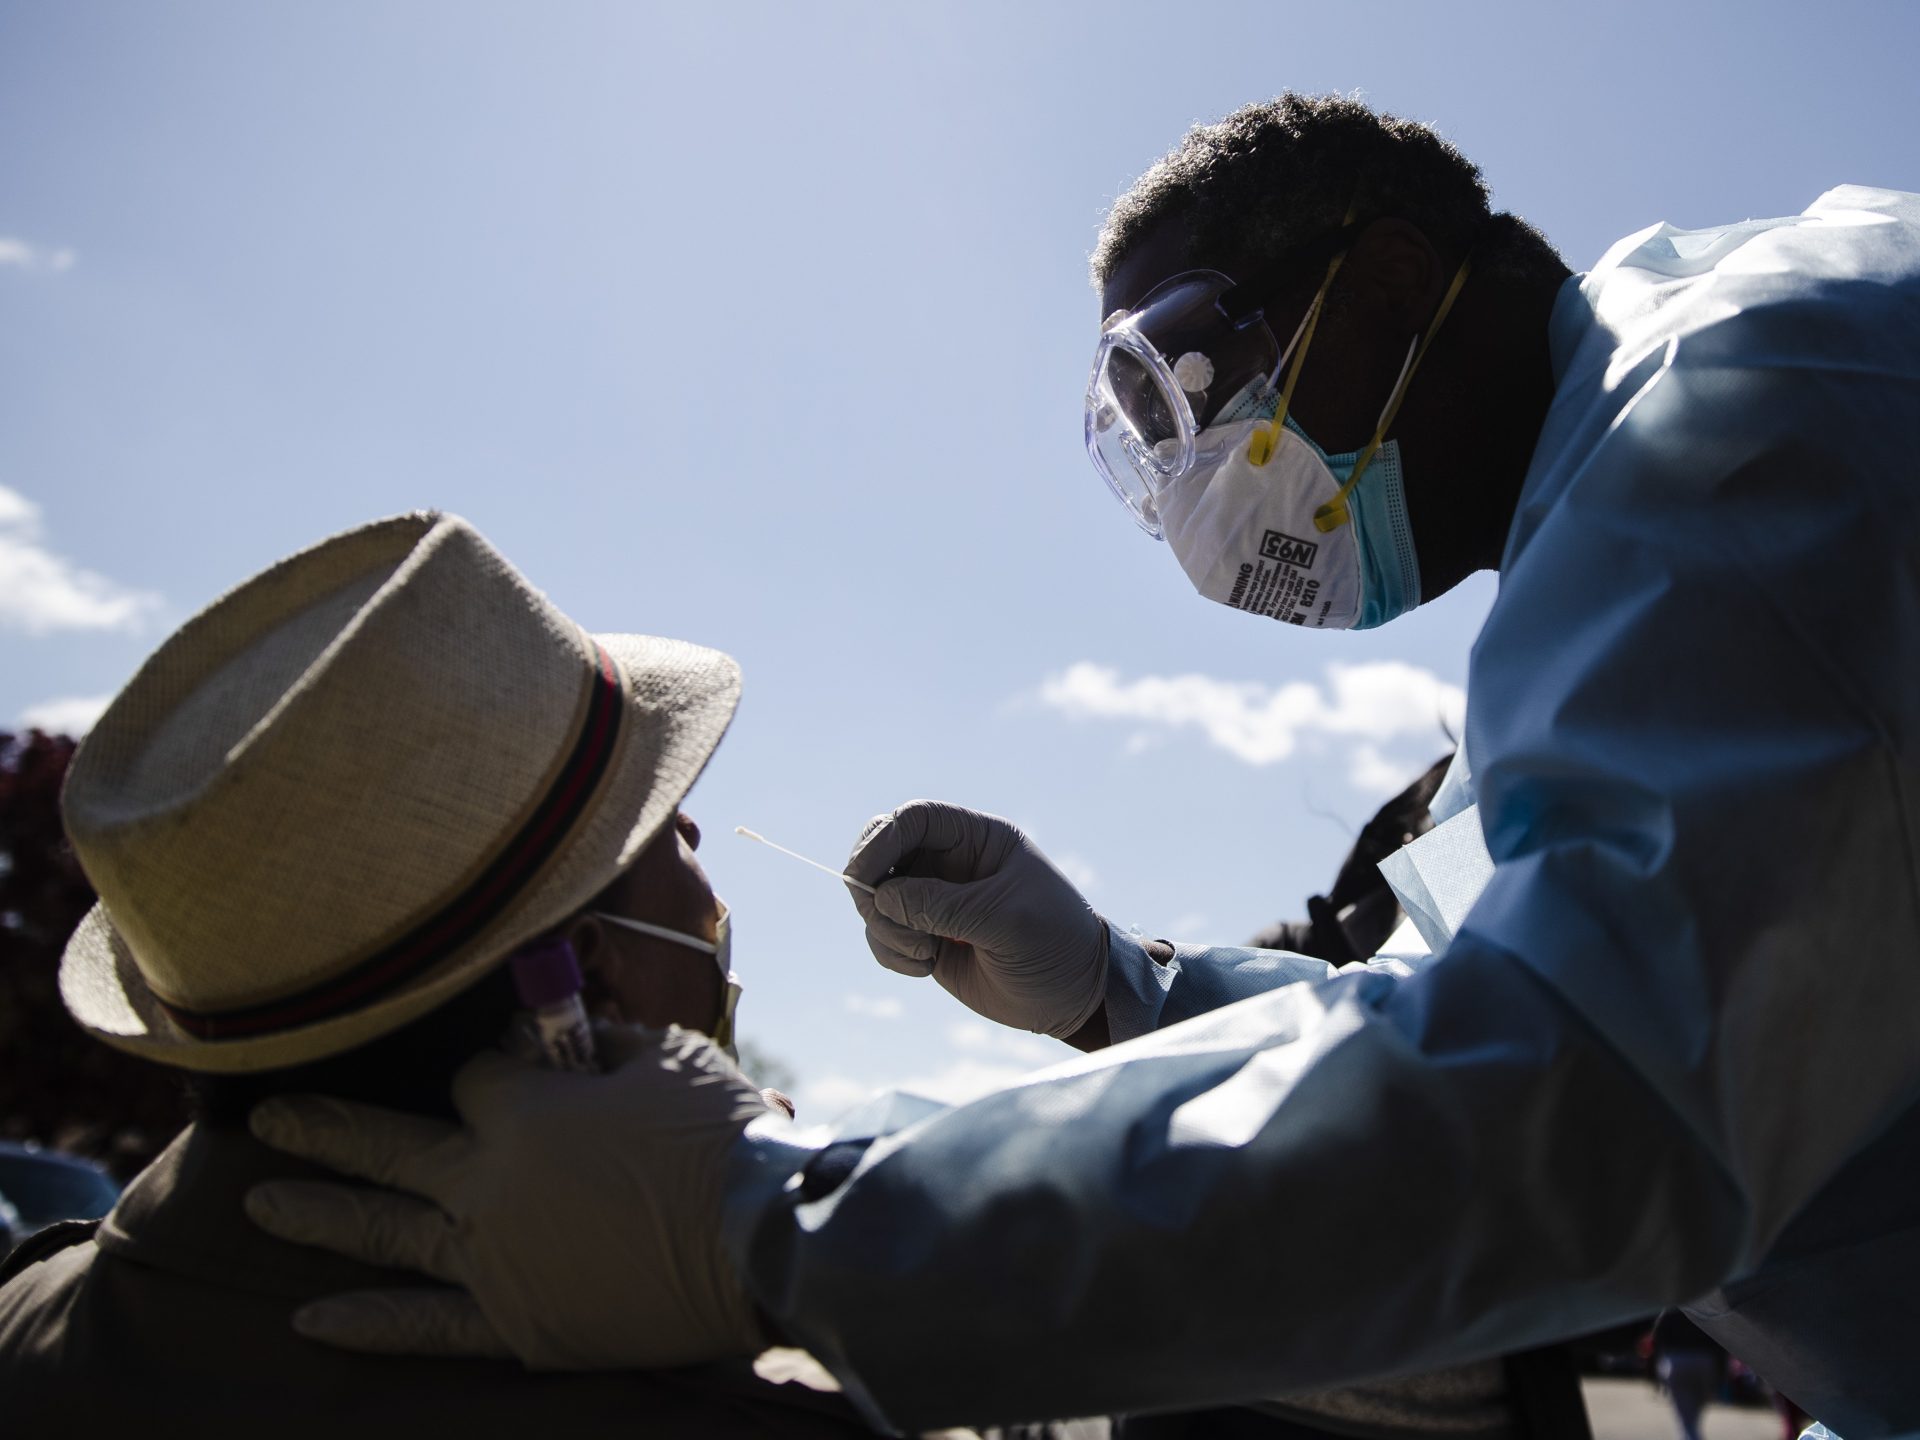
(1389,565)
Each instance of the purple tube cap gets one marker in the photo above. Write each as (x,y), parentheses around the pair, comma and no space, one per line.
(545,972)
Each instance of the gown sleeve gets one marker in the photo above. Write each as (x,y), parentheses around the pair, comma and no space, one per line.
(1686,996)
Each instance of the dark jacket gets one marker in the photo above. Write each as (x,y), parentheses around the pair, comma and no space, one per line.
(173,1319)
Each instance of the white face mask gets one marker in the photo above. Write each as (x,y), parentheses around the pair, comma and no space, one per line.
(1246,538)
(720,948)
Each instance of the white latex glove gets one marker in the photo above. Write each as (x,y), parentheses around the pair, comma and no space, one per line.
(975,904)
(579,1215)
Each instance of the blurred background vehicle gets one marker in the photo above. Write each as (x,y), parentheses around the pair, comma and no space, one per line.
(40,1187)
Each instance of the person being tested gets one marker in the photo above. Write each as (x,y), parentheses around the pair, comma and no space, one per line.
(349,824)
(1670,1054)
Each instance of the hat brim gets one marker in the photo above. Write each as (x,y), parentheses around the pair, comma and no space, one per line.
(686,695)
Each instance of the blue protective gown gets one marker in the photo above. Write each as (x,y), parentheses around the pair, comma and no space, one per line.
(1673,1054)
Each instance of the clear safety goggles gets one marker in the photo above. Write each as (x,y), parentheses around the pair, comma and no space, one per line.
(1193,348)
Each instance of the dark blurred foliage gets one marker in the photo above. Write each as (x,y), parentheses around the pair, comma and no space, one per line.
(58,1085)
(1353,920)
(764,1067)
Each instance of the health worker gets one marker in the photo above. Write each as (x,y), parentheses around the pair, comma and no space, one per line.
(1671,1055)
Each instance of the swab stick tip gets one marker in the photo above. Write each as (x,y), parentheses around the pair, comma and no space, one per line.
(828,869)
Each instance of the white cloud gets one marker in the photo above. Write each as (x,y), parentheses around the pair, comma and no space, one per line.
(1079,871)
(989,1057)
(954,1083)
(70,715)
(875,1007)
(1372,772)
(830,1097)
(979,1037)
(42,592)
(967,1078)
(23,256)
(1262,724)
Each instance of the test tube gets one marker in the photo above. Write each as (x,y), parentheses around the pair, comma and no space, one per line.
(546,976)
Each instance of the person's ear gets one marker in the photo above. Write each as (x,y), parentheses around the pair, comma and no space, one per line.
(588,937)
(1395,267)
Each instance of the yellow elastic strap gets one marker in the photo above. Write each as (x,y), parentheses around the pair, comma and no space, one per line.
(1333,514)
(1267,439)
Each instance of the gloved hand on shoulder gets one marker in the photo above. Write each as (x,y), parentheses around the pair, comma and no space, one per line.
(575,1219)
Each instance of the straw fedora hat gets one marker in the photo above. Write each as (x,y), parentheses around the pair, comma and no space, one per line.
(349,788)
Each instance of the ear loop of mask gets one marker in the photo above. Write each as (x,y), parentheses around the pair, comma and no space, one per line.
(661,932)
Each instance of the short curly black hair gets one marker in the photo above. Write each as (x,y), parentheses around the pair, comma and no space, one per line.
(1275,176)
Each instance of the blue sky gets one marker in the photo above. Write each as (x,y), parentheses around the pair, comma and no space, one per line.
(766,326)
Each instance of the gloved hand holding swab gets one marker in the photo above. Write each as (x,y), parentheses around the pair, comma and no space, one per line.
(756,835)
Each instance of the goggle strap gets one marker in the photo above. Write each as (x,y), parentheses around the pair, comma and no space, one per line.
(1333,514)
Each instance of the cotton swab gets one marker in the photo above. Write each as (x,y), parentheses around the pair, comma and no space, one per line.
(756,835)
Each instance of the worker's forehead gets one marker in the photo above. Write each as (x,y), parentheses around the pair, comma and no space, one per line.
(1166,249)
(1158,252)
